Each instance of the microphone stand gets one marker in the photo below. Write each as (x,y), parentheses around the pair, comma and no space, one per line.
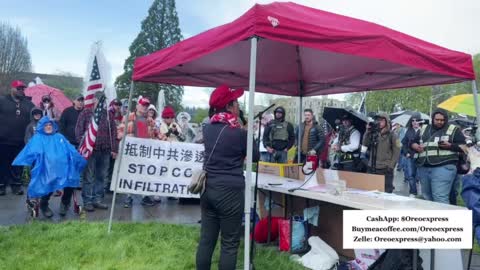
(252,246)
(260,114)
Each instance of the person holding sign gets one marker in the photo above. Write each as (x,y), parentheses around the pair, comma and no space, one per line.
(223,201)
(140,126)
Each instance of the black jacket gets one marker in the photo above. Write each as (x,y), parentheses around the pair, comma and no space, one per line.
(68,122)
(12,129)
(225,167)
(408,140)
(316,138)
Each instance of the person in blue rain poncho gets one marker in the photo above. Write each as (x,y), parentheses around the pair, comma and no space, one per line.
(56,165)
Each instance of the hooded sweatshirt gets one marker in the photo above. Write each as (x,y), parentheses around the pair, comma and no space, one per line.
(410,136)
(388,146)
(431,131)
(31,128)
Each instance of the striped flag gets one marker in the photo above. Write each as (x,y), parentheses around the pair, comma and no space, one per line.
(88,141)
(95,84)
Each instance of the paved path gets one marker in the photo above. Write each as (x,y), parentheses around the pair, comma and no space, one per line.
(13,211)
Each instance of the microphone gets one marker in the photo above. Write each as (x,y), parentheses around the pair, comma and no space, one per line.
(262,112)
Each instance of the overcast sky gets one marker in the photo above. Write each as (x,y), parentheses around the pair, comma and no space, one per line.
(60,33)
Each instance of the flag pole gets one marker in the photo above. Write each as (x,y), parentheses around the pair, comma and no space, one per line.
(119,158)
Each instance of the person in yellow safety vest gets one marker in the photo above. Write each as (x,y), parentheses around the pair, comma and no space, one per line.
(437,146)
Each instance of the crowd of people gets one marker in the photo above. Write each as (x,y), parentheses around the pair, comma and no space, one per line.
(432,153)
(24,120)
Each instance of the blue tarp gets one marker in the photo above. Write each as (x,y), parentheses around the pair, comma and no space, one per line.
(56,163)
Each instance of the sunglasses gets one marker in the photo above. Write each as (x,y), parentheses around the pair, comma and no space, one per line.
(415,120)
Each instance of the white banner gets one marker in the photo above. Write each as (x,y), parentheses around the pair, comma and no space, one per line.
(153,167)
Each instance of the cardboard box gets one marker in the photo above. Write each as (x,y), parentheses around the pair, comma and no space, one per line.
(283,170)
(363,181)
(278,199)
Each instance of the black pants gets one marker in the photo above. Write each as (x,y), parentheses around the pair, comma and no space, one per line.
(388,178)
(10,174)
(346,166)
(222,210)
(66,198)
(108,180)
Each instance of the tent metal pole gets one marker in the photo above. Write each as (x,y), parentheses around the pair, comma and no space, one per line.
(299,122)
(301,89)
(248,178)
(119,160)
(475,100)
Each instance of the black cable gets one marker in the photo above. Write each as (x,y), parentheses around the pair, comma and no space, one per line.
(303,170)
(305,182)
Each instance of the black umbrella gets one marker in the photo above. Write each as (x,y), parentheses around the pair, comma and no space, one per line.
(333,114)
(462,122)
(397,114)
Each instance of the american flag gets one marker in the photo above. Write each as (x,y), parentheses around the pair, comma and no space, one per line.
(94,85)
(88,141)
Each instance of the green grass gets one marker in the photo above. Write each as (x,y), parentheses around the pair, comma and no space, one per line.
(81,245)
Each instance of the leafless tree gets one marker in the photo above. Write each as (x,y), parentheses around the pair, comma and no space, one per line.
(14,54)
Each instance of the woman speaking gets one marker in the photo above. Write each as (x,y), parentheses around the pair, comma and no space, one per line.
(223,201)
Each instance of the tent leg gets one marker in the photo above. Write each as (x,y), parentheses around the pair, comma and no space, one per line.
(119,157)
(475,100)
(299,122)
(248,178)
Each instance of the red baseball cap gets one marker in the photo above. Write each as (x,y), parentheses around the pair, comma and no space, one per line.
(223,95)
(144,101)
(17,84)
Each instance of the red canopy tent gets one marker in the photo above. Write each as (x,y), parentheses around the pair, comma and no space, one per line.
(301,52)
(328,53)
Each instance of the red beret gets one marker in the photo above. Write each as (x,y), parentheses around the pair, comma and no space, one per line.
(168,112)
(223,95)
